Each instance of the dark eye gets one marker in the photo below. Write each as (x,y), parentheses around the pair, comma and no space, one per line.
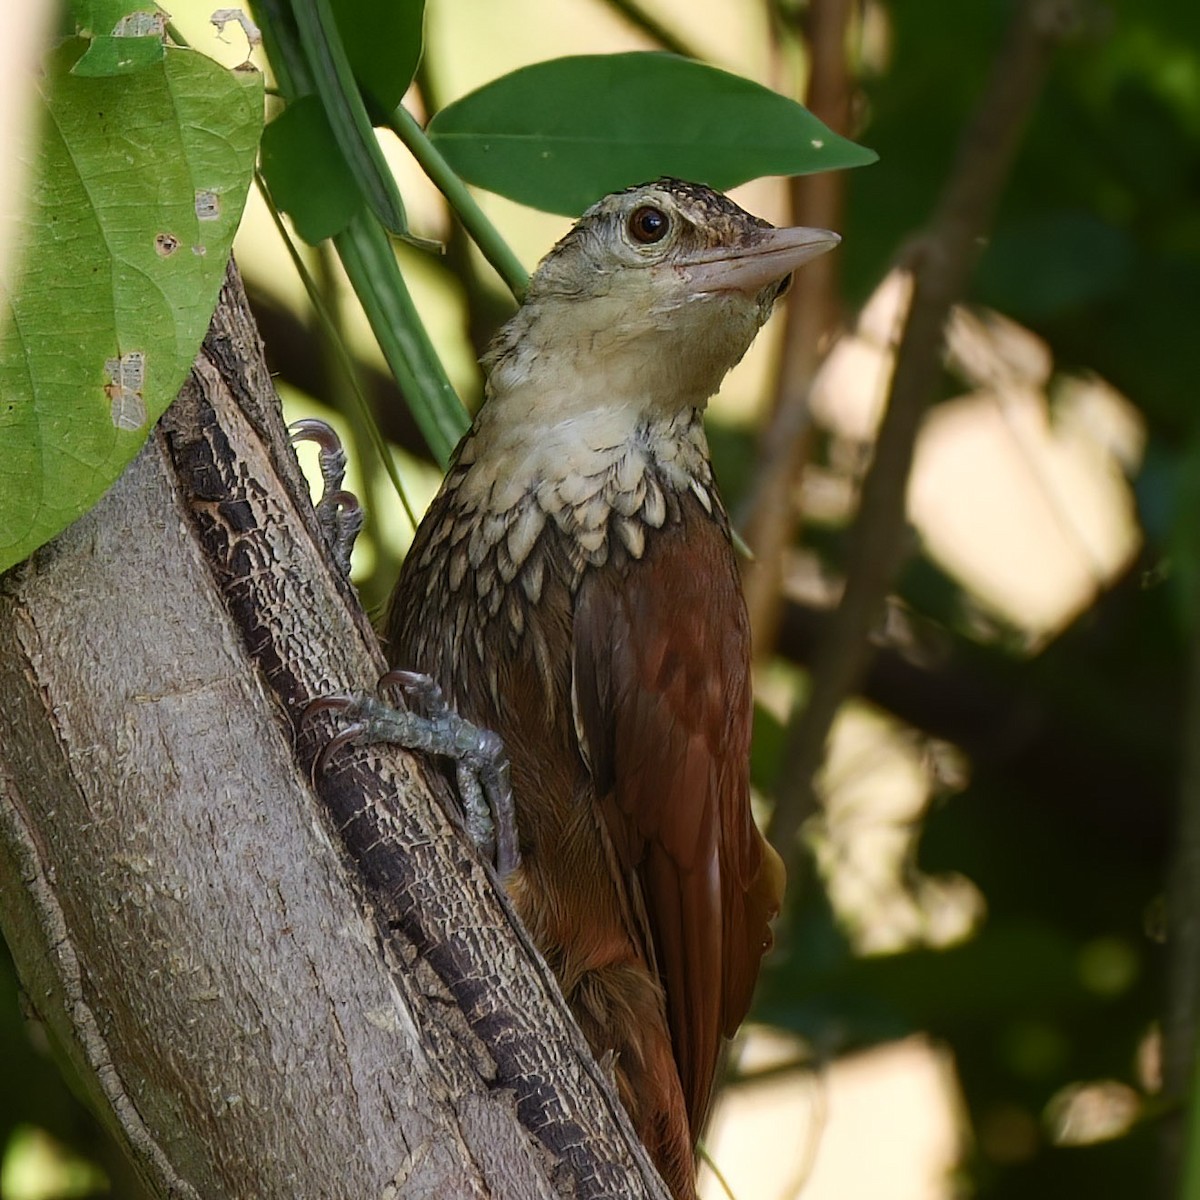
(648,224)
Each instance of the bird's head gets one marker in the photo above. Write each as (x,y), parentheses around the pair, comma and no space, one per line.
(653,295)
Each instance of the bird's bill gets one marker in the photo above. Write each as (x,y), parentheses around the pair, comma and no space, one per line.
(749,268)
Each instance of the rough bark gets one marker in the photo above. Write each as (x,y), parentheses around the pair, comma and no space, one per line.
(265,991)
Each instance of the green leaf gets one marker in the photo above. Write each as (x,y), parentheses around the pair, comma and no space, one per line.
(306,172)
(140,184)
(382,39)
(558,135)
(119,56)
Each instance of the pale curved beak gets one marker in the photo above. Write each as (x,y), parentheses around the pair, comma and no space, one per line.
(752,266)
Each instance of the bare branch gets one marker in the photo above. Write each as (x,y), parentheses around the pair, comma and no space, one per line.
(770,517)
(646,22)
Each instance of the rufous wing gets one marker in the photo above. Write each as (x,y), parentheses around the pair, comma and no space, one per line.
(662,699)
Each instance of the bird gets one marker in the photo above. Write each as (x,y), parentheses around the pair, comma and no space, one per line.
(574,588)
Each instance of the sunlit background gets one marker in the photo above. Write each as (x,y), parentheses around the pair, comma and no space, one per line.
(966,993)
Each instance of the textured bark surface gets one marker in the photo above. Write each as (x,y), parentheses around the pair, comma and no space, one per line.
(266,992)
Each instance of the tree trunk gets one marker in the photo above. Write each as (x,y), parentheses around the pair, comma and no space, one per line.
(266,990)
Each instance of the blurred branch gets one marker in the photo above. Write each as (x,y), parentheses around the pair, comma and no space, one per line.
(1113,771)
(487,308)
(1181,1055)
(770,516)
(941,261)
(28,29)
(295,359)
(493,247)
(366,253)
(1181,1065)
(324,304)
(650,25)
(370,262)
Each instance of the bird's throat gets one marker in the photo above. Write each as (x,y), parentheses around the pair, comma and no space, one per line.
(598,474)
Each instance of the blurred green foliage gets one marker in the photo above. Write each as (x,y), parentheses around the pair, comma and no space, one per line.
(1065,824)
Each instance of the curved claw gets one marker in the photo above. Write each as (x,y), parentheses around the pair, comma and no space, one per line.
(485,792)
(331,457)
(416,686)
(347,502)
(345,522)
(399,677)
(350,734)
(311,429)
(494,770)
(338,511)
(336,702)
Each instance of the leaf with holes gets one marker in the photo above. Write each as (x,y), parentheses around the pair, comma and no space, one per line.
(138,188)
(126,36)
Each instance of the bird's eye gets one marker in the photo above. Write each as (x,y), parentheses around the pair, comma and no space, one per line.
(648,224)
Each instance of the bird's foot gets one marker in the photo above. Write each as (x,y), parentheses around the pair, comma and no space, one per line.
(432,726)
(339,513)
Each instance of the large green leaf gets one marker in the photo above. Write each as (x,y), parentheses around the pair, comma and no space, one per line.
(560,134)
(140,184)
(383,43)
